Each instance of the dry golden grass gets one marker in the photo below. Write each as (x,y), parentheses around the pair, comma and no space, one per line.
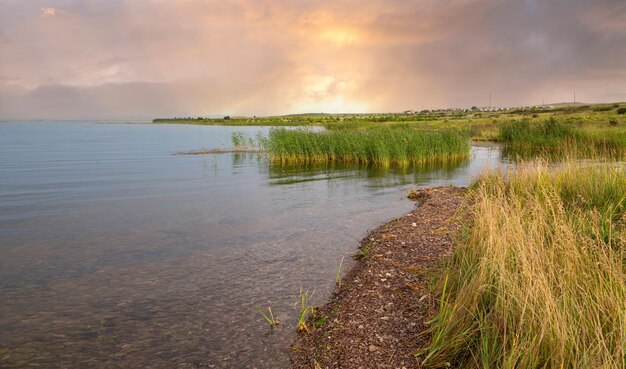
(539,280)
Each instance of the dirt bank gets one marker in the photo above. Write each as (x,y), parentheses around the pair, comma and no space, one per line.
(376,319)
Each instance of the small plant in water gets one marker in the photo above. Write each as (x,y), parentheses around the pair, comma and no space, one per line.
(269,317)
(306,309)
(338,273)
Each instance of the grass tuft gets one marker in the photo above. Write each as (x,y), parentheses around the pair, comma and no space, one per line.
(338,273)
(269,316)
(305,310)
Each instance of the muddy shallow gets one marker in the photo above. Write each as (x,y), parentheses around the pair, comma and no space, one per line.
(116,253)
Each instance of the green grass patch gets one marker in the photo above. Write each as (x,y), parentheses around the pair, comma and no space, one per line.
(364,250)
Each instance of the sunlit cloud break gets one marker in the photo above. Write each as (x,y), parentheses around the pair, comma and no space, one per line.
(47,12)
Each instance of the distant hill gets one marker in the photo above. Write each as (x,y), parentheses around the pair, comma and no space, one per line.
(567,104)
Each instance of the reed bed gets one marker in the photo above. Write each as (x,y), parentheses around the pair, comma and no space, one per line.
(397,145)
(539,279)
(552,137)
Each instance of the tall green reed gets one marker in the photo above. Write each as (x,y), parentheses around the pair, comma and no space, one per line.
(398,145)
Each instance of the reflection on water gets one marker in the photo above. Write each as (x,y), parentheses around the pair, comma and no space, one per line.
(117,254)
(375,176)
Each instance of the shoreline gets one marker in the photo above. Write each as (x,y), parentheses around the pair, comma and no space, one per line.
(376,317)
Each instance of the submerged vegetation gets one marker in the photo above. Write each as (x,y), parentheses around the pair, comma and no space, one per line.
(398,145)
(244,143)
(539,280)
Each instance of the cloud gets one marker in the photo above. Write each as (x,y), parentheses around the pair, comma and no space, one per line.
(49,12)
(610,19)
(271,56)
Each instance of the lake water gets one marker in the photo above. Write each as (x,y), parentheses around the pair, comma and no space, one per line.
(115,253)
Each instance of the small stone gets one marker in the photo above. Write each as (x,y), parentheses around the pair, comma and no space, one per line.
(373,348)
(413,224)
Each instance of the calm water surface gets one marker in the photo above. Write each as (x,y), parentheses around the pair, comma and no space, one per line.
(117,254)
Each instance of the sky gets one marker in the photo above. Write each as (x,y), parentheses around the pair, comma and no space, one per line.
(71,59)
